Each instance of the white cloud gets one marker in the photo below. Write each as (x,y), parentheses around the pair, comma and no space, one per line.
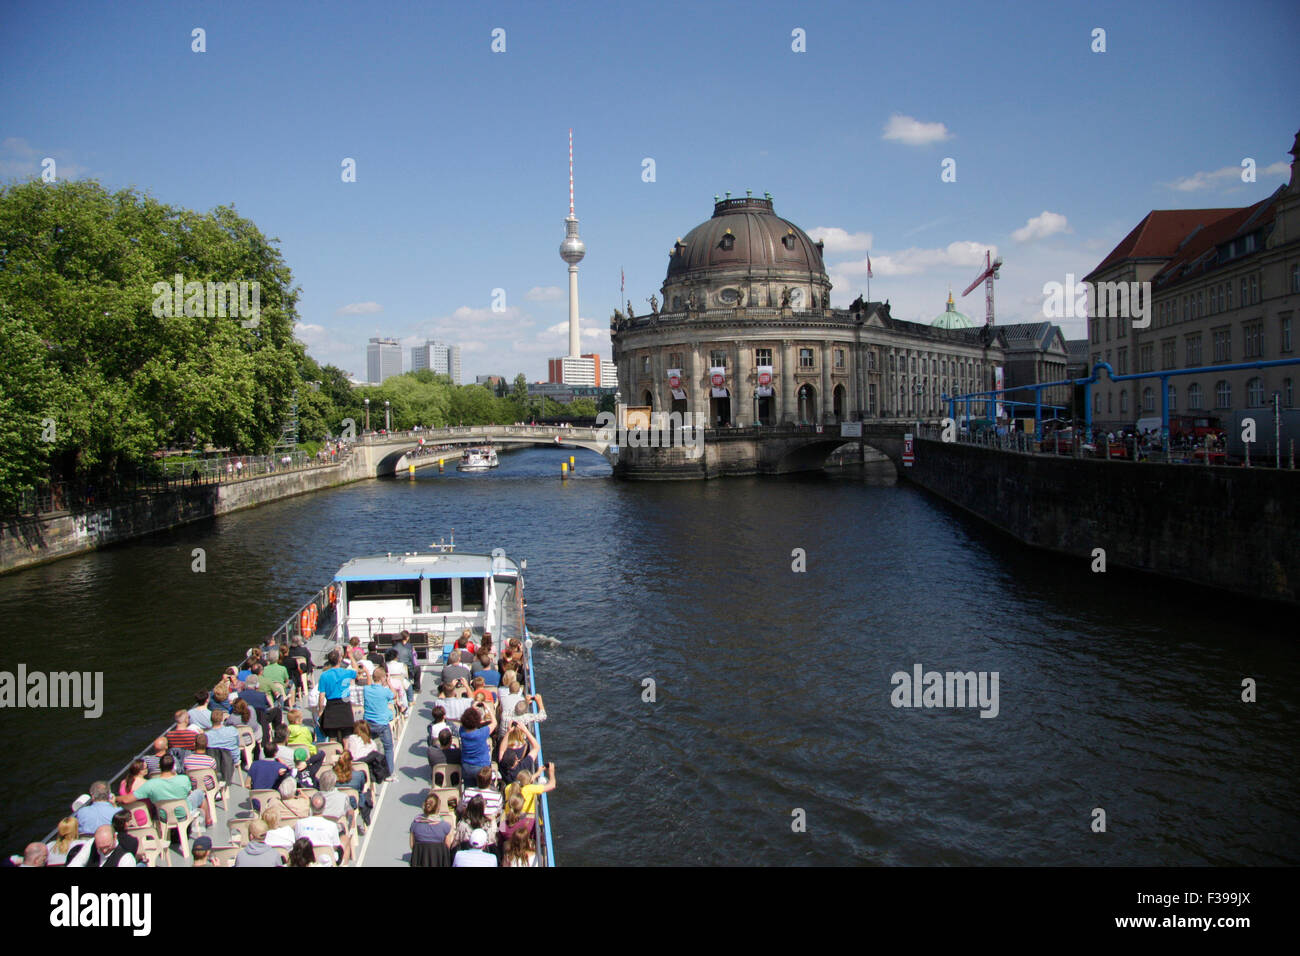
(360,308)
(1228,175)
(839,240)
(1040,227)
(466,314)
(545,293)
(913,261)
(913,132)
(586,329)
(20,160)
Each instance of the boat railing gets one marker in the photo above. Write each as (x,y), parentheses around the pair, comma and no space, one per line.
(545,851)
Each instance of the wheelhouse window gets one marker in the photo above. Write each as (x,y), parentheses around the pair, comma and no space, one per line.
(472,592)
(384,590)
(439,595)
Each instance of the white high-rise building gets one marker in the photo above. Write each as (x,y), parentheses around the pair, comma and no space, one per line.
(438,358)
(383,360)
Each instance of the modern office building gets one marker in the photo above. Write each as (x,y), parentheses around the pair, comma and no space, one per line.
(439,358)
(589,370)
(383,360)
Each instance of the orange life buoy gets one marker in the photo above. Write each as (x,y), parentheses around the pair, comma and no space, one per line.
(315,612)
(334,596)
(304,623)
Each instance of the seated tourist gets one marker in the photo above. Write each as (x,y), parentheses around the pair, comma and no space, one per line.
(454,700)
(428,828)
(471,816)
(122,820)
(437,725)
(169,785)
(68,838)
(530,790)
(103,852)
(266,773)
(514,819)
(277,835)
(258,853)
(475,854)
(478,690)
(137,773)
(201,852)
(454,670)
(523,716)
(222,736)
(518,850)
(274,673)
(482,787)
(519,751)
(323,831)
(199,758)
(201,713)
(306,768)
(151,760)
(241,715)
(444,750)
(99,810)
(300,735)
(181,737)
(221,699)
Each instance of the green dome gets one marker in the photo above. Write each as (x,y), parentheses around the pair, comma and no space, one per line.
(950,318)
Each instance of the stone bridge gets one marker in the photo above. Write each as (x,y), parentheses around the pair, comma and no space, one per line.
(392,454)
(762,450)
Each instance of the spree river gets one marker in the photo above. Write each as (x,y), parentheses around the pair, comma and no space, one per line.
(771,738)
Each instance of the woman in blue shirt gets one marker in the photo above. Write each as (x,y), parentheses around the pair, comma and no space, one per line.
(476,727)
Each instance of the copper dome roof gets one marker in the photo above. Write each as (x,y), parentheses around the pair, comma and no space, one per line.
(745,234)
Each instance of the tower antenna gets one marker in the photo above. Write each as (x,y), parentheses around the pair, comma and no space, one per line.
(570,171)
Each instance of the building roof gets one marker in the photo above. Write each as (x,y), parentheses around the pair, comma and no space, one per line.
(1199,251)
(950,318)
(1077,350)
(1159,233)
(746,234)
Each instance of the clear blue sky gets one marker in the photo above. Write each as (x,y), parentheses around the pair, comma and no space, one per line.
(462,153)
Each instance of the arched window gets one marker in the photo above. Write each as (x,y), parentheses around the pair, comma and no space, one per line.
(1255,392)
(1222,394)
(1194,397)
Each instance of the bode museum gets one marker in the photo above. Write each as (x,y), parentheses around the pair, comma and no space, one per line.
(746,334)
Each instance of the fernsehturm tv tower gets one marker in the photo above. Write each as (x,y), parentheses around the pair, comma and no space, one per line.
(572,250)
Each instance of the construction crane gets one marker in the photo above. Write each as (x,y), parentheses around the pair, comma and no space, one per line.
(991,267)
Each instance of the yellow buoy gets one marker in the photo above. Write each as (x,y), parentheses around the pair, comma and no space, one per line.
(564,469)
(411,470)
(570,461)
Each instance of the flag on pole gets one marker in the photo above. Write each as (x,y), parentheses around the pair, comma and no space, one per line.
(868,265)
(620,284)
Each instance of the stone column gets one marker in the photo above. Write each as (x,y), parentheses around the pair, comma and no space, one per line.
(828,400)
(789,405)
(699,387)
(657,380)
(742,392)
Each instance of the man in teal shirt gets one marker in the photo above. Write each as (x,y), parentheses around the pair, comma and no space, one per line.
(166,786)
(379,714)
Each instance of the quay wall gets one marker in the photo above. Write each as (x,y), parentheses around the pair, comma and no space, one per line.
(1232,528)
(32,540)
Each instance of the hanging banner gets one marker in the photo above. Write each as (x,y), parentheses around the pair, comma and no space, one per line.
(997,385)
(764,381)
(675,383)
(718,379)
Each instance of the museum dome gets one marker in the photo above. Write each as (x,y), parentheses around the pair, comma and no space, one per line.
(745,252)
(950,318)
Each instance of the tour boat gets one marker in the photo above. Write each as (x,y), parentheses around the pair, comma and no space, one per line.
(478,459)
(435,596)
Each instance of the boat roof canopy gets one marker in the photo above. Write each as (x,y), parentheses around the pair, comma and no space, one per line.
(406,567)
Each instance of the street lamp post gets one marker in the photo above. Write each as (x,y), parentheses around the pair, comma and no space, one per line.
(366,402)
(388,422)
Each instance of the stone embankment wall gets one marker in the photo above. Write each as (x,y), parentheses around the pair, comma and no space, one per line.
(34,540)
(1231,528)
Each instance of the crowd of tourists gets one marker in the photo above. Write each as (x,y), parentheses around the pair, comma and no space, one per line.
(315,744)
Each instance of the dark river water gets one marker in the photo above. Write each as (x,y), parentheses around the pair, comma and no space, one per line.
(772,738)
